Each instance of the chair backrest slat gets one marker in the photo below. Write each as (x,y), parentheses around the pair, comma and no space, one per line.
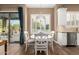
(41,40)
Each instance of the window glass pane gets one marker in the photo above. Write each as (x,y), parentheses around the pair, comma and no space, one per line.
(73,19)
(14,16)
(40,22)
(4,15)
(0,25)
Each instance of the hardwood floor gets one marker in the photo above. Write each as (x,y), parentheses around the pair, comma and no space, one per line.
(16,49)
(63,50)
(13,49)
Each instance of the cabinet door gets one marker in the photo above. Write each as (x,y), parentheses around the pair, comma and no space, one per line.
(62,16)
(77,38)
(62,38)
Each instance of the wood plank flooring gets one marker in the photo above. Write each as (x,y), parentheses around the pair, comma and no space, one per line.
(16,49)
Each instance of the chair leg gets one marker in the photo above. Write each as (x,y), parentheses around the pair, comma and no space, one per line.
(47,52)
(35,52)
(26,48)
(52,49)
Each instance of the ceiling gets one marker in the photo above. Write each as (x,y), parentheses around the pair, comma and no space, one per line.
(40,5)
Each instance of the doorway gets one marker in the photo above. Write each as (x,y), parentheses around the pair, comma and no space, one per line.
(4,25)
(14,28)
(10,26)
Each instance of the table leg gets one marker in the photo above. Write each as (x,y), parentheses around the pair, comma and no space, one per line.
(6,48)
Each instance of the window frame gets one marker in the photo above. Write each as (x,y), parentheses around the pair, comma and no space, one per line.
(31,22)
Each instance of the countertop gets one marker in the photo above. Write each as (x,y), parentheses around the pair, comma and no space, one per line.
(67,29)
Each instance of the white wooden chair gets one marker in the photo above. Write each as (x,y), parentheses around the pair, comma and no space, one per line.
(26,38)
(30,41)
(41,42)
(51,39)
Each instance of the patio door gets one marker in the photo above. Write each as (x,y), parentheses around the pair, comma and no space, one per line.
(10,26)
(40,22)
(14,28)
(4,25)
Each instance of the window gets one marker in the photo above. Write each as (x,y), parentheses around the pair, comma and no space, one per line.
(73,19)
(14,16)
(40,22)
(0,25)
(4,22)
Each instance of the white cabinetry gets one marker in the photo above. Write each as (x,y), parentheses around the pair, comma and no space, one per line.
(62,38)
(77,38)
(73,19)
(62,18)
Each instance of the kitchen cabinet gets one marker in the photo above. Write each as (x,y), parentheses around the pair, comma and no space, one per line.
(62,16)
(62,38)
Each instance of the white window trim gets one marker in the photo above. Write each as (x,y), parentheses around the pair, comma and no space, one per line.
(31,22)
